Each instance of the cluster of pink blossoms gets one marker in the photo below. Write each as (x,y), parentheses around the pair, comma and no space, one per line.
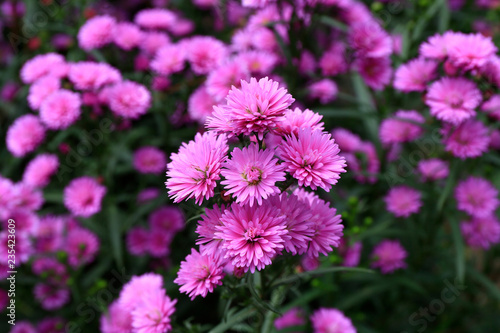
(262,217)
(324,320)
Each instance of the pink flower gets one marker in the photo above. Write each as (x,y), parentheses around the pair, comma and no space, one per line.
(325,90)
(26,221)
(199,274)
(255,3)
(370,40)
(201,104)
(87,75)
(50,64)
(96,32)
(22,327)
(389,256)
(138,288)
(438,46)
(23,248)
(50,234)
(155,18)
(222,79)
(397,129)
(433,169)
(333,61)
(254,109)
(61,109)
(297,119)
(293,317)
(327,320)
(327,225)
(492,107)
(205,53)
(83,196)
(251,236)
(453,99)
(51,325)
(251,174)
(26,197)
(477,196)
(24,135)
(376,72)
(51,296)
(351,254)
(82,246)
(257,62)
(40,169)
(129,100)
(152,41)
(41,89)
(195,169)
(307,62)
(49,268)
(470,139)
(147,194)
(169,59)
(481,232)
(149,159)
(414,75)
(153,315)
(159,243)
(138,241)
(402,201)
(472,51)
(127,35)
(167,219)
(312,157)
(206,229)
(347,141)
(116,320)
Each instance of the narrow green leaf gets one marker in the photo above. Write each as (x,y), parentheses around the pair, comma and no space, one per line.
(448,187)
(425,19)
(115,235)
(366,106)
(444,16)
(362,295)
(234,320)
(459,249)
(321,271)
(333,23)
(256,297)
(485,281)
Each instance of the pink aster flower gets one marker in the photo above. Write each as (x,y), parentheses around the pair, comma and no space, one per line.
(129,100)
(153,314)
(492,107)
(159,243)
(201,104)
(351,254)
(41,89)
(51,296)
(82,246)
(370,40)
(414,75)
(116,320)
(25,196)
(222,79)
(389,256)
(83,196)
(477,196)
(49,267)
(4,301)
(51,325)
(433,169)
(402,201)
(25,135)
(147,194)
(325,90)
(453,99)
(138,288)
(481,232)
(40,169)
(205,53)
(251,236)
(23,327)
(169,59)
(199,274)
(138,241)
(149,159)
(312,157)
(251,174)
(257,61)
(376,72)
(167,218)
(472,51)
(24,247)
(26,221)
(333,61)
(347,141)
(195,169)
(88,75)
(293,317)
(61,109)
(127,35)
(50,64)
(327,320)
(206,229)
(50,234)
(327,225)
(152,41)
(297,119)
(96,32)
(470,139)
(438,46)
(155,18)
(254,109)
(397,129)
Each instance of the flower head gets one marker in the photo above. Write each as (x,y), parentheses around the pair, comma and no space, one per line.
(370,40)
(433,169)
(415,75)
(117,320)
(325,90)
(468,140)
(376,72)
(82,246)
(205,53)
(327,320)
(201,104)
(60,109)
(438,46)
(96,32)
(138,241)
(155,18)
(167,218)
(481,232)
(25,135)
(41,89)
(472,51)
(153,314)
(83,196)
(138,288)
(293,317)
(169,59)
(129,99)
(50,64)
(389,256)
(51,296)
(149,159)
(127,35)
(297,119)
(403,201)
(477,196)
(206,229)
(88,75)
(398,130)
(40,169)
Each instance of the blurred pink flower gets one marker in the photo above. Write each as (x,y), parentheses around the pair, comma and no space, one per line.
(481,232)
(82,246)
(292,317)
(397,130)
(389,256)
(96,32)
(153,314)
(116,320)
(149,159)
(24,135)
(433,169)
(327,320)
(61,109)
(414,75)
(129,99)
(83,196)
(477,196)
(402,201)
(470,139)
(41,89)
(127,35)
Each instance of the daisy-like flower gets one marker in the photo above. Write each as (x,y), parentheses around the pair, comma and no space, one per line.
(477,196)
(389,256)
(254,109)
(251,174)
(25,135)
(159,243)
(327,320)
(167,218)
(347,141)
(351,253)
(438,46)
(415,75)
(325,90)
(169,59)
(26,221)
(492,107)
(205,53)
(138,288)
(61,109)
(51,296)
(88,75)
(96,32)
(50,64)
(83,196)
(481,232)
(257,62)
(370,40)
(153,314)
(138,241)
(40,169)
(206,229)
(222,79)
(376,72)
(200,274)
(41,89)
(82,246)
(398,130)
(149,159)
(129,99)
(333,61)
(298,119)
(251,236)
(155,18)
(201,104)
(293,317)
(127,35)
(402,201)
(453,99)
(472,51)
(116,320)
(470,139)
(433,169)
(152,41)
(26,197)
(195,169)
(312,157)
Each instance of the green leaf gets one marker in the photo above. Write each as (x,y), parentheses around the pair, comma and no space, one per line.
(321,271)
(459,249)
(257,298)
(361,295)
(424,19)
(115,235)
(366,106)
(233,320)
(448,187)
(333,23)
(485,281)
(444,16)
